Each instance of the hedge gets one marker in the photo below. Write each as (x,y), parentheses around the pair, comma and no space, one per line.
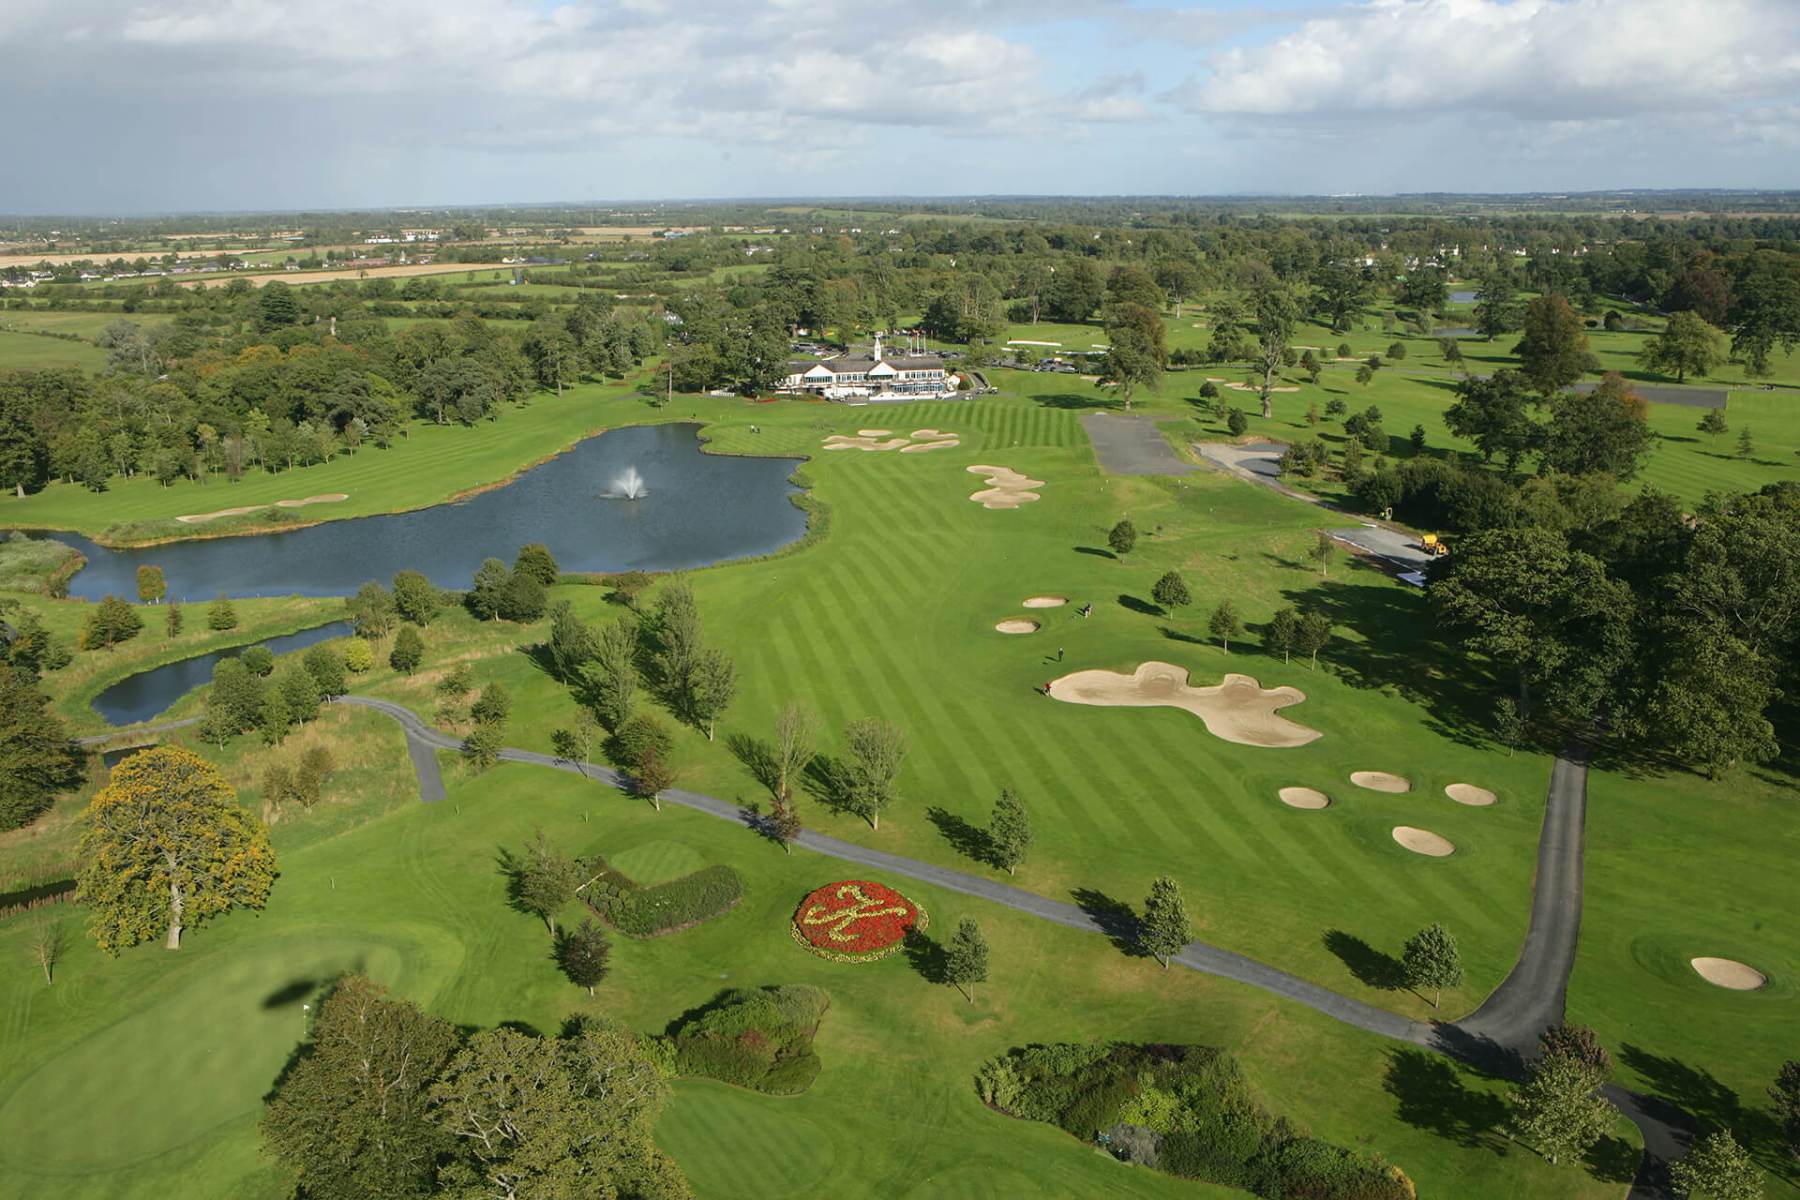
(757,1038)
(1187,1111)
(645,912)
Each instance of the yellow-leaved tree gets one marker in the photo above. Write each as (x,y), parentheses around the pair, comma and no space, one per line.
(165,845)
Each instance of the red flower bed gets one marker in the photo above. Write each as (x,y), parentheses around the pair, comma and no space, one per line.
(855,920)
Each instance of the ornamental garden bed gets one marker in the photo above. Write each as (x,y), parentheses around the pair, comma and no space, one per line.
(662,908)
(856,920)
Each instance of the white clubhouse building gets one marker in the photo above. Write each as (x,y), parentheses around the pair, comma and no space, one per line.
(868,376)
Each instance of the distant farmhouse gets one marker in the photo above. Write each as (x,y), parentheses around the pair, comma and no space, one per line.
(917,374)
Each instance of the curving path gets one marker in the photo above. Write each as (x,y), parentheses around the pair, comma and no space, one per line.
(1499,1036)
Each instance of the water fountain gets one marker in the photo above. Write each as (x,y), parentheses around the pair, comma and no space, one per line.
(629,486)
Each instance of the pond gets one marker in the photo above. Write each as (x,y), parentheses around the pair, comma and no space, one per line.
(698,509)
(148,693)
(1463,297)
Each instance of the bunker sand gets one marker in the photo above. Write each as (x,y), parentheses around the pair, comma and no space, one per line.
(1381,781)
(1729,973)
(1304,797)
(1006,488)
(1017,625)
(1423,841)
(1468,793)
(1238,709)
(1045,601)
(881,439)
(327,498)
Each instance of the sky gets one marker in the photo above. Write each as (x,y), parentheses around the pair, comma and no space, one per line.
(118,106)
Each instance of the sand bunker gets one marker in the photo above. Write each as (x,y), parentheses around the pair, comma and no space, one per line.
(1423,841)
(197,518)
(1045,601)
(879,439)
(1468,793)
(1018,625)
(1247,387)
(1729,973)
(1006,488)
(1238,709)
(1304,797)
(1380,781)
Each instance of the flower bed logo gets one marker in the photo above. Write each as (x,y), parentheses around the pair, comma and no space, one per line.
(855,920)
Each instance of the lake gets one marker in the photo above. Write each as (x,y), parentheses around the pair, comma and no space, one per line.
(700,509)
(149,693)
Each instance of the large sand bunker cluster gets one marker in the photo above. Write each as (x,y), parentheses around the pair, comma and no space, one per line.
(920,441)
(1237,386)
(1423,841)
(197,518)
(1238,709)
(1468,793)
(1006,488)
(1381,781)
(1304,797)
(1729,973)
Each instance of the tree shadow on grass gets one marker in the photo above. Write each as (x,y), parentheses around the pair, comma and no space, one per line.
(1698,1092)
(968,840)
(1078,400)
(1612,1160)
(1137,605)
(1116,919)
(1402,650)
(828,781)
(925,956)
(1096,551)
(1177,635)
(1432,1096)
(758,758)
(290,994)
(1371,967)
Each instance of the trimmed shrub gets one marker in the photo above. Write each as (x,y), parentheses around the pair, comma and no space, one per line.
(754,1038)
(646,912)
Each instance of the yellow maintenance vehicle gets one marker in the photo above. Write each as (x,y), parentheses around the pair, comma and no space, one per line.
(1432,547)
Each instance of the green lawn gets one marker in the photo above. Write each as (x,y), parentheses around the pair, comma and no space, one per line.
(27,352)
(145,1075)
(892,614)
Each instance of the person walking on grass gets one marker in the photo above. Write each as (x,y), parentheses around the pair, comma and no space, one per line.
(1059,653)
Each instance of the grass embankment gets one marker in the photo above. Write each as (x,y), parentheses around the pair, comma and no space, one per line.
(434,463)
(112,1087)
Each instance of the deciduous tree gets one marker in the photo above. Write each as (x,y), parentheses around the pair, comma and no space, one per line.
(1431,960)
(1686,344)
(1556,1109)
(221,614)
(877,751)
(164,846)
(1171,591)
(546,880)
(37,758)
(1164,929)
(151,586)
(348,1118)
(415,597)
(1009,832)
(1122,537)
(582,953)
(796,742)
(966,958)
(1717,1168)
(1554,351)
(408,650)
(1224,623)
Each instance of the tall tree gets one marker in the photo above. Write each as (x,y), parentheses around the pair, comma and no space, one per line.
(1496,306)
(1431,960)
(1284,630)
(877,751)
(546,880)
(1009,832)
(612,678)
(1341,289)
(1276,316)
(711,688)
(1554,351)
(151,586)
(1311,635)
(1170,591)
(1765,314)
(1494,413)
(553,1117)
(796,741)
(1603,431)
(1557,1111)
(1224,623)
(572,644)
(1164,929)
(415,597)
(37,758)
(1137,353)
(1717,1168)
(165,845)
(582,953)
(1785,1092)
(966,958)
(348,1118)
(1687,343)
(1122,537)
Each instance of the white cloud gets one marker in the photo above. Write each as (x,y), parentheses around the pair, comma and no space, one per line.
(1532,59)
